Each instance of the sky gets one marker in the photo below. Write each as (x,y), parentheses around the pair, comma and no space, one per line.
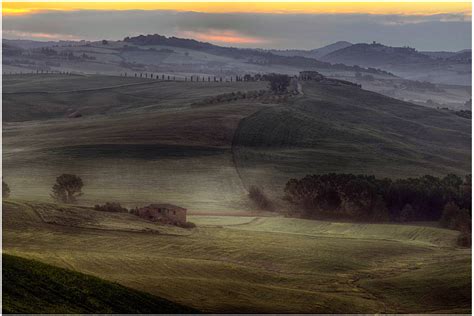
(436,26)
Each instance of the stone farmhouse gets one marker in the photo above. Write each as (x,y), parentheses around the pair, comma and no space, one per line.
(164,213)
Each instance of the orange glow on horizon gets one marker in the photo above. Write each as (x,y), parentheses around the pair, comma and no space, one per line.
(402,8)
(229,37)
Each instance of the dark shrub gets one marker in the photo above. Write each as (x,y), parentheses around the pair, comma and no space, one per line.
(260,199)
(111,207)
(5,190)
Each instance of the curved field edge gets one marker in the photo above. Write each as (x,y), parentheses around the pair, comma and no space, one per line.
(30,286)
(423,235)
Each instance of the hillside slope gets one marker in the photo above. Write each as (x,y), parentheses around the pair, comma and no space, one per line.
(349,130)
(34,287)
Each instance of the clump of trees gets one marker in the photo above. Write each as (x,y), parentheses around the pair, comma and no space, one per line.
(258,196)
(67,189)
(111,207)
(363,197)
(232,96)
(279,83)
(5,190)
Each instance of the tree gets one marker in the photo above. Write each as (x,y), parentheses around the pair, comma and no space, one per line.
(279,83)
(67,188)
(5,190)
(105,42)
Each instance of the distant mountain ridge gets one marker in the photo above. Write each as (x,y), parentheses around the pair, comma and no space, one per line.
(252,55)
(316,53)
(449,55)
(407,62)
(375,54)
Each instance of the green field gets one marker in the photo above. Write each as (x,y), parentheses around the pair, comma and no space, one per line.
(33,287)
(252,264)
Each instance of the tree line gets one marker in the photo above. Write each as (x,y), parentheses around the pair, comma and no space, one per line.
(363,197)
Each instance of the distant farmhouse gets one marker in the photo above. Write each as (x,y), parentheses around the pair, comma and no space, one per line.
(311,75)
(164,213)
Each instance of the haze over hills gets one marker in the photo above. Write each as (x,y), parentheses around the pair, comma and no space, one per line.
(466,53)
(407,62)
(185,57)
(156,52)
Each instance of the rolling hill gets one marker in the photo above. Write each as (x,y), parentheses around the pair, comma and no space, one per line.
(376,54)
(33,287)
(150,142)
(348,130)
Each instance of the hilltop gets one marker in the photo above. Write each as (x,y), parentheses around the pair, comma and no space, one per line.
(376,54)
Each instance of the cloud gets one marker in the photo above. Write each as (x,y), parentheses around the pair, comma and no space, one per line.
(222,36)
(273,7)
(282,31)
(39,36)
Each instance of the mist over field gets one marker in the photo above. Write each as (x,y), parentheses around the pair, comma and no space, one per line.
(169,161)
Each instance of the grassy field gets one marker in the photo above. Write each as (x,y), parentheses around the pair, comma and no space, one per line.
(253,264)
(33,287)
